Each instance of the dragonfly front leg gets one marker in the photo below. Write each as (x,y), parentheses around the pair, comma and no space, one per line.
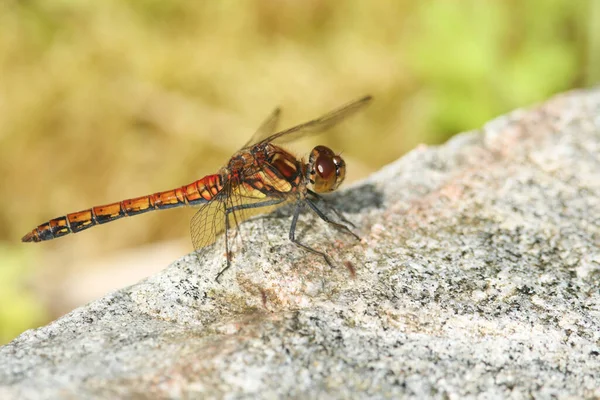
(339,215)
(299,207)
(325,218)
(233,209)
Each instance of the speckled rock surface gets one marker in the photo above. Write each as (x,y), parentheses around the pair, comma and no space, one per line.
(478,275)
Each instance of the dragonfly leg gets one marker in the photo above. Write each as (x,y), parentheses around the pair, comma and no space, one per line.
(339,215)
(325,218)
(232,209)
(297,243)
(265,203)
(239,207)
(227,254)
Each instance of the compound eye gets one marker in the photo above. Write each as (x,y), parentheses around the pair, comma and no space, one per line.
(327,169)
(325,166)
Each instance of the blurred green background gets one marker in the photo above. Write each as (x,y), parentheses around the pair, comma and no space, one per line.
(105,100)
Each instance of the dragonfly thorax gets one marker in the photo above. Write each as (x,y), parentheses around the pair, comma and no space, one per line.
(326,170)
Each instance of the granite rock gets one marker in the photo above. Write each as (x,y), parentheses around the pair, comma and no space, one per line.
(478,274)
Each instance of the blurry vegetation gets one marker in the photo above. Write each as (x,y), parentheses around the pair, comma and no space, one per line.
(104,100)
(19,309)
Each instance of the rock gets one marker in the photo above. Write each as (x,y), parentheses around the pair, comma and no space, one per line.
(478,275)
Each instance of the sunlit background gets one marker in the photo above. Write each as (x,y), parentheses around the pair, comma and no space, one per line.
(106,100)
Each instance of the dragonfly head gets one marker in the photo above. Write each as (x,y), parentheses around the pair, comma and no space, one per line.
(326,170)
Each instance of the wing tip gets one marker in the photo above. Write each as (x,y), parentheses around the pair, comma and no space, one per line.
(366,99)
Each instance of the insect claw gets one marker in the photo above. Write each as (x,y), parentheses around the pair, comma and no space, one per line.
(354,234)
(221,273)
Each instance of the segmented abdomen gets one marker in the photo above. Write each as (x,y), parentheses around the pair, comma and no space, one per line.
(197,192)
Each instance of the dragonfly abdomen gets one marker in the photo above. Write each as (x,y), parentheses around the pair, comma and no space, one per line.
(198,192)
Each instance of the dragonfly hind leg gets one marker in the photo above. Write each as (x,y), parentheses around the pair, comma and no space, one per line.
(233,209)
(227,253)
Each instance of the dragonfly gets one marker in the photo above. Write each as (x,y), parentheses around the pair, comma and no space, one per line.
(258,178)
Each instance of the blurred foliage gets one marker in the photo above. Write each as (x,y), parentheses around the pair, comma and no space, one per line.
(20,310)
(105,100)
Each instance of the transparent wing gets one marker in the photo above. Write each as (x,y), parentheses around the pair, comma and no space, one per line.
(250,203)
(243,203)
(267,128)
(207,223)
(316,125)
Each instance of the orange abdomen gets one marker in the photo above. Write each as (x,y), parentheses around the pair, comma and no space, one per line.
(201,191)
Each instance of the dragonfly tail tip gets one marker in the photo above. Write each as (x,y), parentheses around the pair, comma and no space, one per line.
(30,237)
